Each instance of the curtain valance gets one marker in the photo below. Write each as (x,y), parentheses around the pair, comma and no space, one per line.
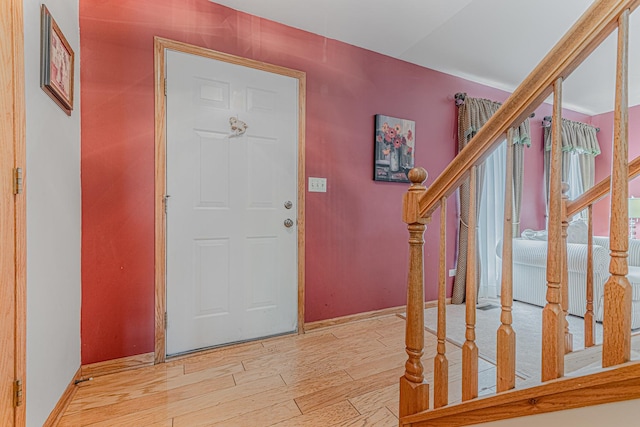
(475,112)
(576,138)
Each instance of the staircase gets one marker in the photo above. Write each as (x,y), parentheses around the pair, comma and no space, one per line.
(617,377)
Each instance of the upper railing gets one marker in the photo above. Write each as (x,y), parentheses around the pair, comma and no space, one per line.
(600,190)
(590,30)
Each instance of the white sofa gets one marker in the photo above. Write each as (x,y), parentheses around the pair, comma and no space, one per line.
(530,264)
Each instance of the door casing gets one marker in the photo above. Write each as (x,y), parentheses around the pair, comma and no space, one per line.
(160,46)
(13,152)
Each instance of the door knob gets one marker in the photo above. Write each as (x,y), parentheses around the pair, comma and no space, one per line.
(288,204)
(288,223)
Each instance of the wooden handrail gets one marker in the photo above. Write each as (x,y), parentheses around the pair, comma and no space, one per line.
(600,190)
(584,36)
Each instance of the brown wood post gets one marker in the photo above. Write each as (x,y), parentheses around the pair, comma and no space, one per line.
(469,348)
(589,320)
(552,314)
(414,391)
(440,362)
(616,346)
(568,336)
(506,336)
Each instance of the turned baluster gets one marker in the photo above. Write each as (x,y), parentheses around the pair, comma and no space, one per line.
(506,336)
(414,391)
(469,348)
(589,321)
(440,362)
(616,346)
(568,336)
(552,314)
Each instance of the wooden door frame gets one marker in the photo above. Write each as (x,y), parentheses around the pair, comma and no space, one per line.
(13,21)
(160,46)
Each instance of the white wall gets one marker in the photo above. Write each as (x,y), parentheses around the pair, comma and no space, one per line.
(53,222)
(613,414)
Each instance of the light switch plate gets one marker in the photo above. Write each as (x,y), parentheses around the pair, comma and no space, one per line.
(317,185)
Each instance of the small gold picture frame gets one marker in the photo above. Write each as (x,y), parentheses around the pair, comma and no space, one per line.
(56,63)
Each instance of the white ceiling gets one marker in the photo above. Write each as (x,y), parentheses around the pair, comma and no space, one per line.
(494,42)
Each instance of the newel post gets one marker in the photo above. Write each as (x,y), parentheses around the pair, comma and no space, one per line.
(414,391)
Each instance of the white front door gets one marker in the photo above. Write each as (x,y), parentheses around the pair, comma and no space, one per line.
(231,260)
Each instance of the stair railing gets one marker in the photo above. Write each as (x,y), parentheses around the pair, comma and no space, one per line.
(419,204)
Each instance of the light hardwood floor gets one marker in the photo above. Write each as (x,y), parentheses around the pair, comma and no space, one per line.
(345,375)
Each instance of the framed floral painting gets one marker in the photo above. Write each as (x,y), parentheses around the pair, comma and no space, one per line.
(395,148)
(56,63)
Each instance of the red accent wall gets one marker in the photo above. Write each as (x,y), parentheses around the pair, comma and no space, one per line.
(356,243)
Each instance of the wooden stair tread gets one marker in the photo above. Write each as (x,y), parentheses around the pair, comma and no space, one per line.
(589,359)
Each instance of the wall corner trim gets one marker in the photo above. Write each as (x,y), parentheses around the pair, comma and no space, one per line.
(117,365)
(63,403)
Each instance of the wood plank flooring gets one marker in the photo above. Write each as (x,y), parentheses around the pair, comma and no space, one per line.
(345,375)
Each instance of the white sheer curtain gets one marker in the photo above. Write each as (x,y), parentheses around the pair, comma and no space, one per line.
(575,181)
(490,221)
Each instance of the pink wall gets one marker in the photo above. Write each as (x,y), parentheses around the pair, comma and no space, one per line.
(356,243)
(603,162)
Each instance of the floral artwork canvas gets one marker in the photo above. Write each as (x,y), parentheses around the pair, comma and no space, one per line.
(394,149)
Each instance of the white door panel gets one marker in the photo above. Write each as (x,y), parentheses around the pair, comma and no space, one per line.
(231,262)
